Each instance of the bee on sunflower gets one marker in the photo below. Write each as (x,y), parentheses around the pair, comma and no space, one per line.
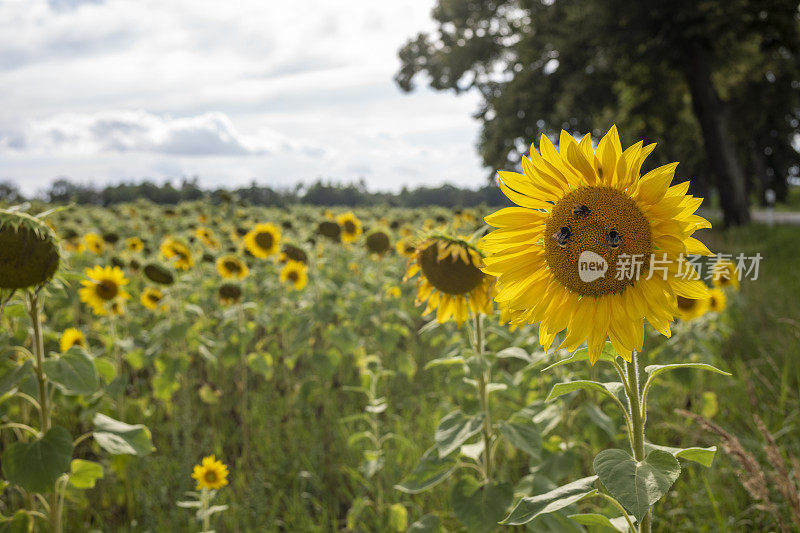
(585,203)
(450,279)
(103,290)
(71,337)
(177,253)
(231,267)
(134,244)
(295,274)
(351,227)
(263,240)
(152,298)
(94,243)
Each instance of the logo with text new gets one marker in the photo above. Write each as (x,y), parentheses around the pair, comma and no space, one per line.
(591,266)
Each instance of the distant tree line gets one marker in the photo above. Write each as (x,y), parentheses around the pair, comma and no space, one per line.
(322,193)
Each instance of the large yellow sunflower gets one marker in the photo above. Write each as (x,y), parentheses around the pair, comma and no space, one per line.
(210,474)
(103,290)
(177,253)
(295,274)
(351,226)
(71,337)
(263,240)
(451,280)
(581,211)
(231,267)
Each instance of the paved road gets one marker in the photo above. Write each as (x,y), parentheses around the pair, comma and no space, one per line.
(761,215)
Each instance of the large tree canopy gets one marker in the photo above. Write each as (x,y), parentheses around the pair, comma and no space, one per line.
(713,81)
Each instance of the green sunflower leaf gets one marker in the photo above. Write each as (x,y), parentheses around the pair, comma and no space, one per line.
(531,507)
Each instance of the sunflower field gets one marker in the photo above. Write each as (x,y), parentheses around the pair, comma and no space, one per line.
(215,366)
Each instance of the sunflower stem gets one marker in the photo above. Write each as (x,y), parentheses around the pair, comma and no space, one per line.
(483,381)
(637,423)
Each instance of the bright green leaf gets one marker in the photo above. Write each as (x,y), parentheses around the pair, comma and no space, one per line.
(73,372)
(655,370)
(702,456)
(118,438)
(608,354)
(598,520)
(613,390)
(84,474)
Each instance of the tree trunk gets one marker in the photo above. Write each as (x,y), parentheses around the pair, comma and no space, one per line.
(721,153)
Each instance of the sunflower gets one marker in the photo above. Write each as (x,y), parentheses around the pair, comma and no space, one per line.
(582,209)
(103,289)
(134,244)
(231,267)
(71,337)
(295,273)
(725,275)
(29,251)
(206,236)
(229,293)
(691,308)
(263,240)
(158,274)
(451,280)
(378,242)
(717,300)
(405,247)
(290,252)
(94,243)
(392,291)
(178,253)
(151,297)
(351,226)
(210,474)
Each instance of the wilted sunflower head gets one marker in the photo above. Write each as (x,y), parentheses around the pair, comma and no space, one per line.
(581,211)
(103,290)
(263,240)
(71,337)
(158,274)
(229,293)
(451,280)
(351,226)
(231,267)
(329,229)
(290,252)
(295,274)
(151,298)
(378,242)
(29,252)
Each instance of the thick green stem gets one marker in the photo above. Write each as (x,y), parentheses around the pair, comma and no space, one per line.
(483,394)
(637,423)
(38,351)
(204,499)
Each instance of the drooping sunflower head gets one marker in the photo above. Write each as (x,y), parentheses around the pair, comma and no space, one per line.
(725,275)
(594,248)
(295,274)
(329,229)
(134,244)
(158,274)
(103,290)
(351,226)
(210,474)
(290,252)
(450,279)
(717,300)
(71,337)
(231,267)
(229,293)
(378,242)
(263,240)
(152,298)
(29,251)
(177,253)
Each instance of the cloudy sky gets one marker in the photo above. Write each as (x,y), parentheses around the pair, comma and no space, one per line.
(280,92)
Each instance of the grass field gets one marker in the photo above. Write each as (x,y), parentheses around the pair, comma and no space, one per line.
(322,399)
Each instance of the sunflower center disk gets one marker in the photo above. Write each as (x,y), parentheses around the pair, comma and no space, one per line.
(686,304)
(107,290)
(264,240)
(448,276)
(593,238)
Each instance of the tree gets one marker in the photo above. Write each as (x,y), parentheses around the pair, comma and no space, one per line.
(651,66)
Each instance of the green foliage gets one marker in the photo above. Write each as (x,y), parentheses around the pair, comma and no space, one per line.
(36,465)
(119,438)
(531,507)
